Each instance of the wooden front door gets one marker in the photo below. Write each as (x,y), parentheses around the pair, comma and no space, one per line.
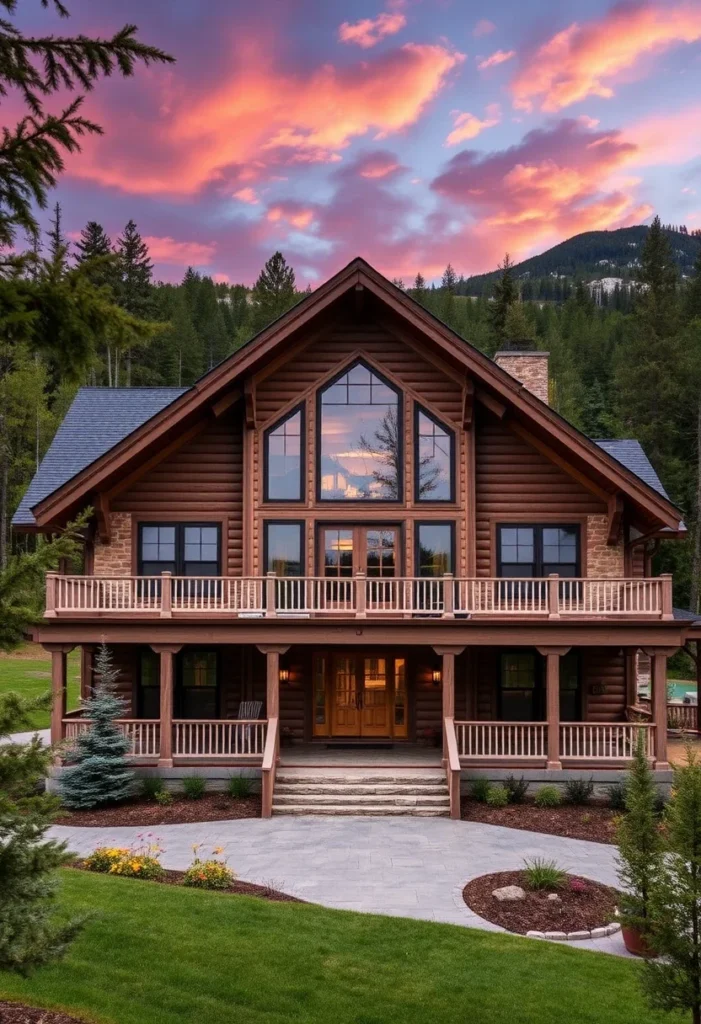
(346,550)
(365,696)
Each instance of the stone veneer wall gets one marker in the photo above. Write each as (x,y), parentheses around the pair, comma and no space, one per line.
(604,561)
(114,559)
(530,368)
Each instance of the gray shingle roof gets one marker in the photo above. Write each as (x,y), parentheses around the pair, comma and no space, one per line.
(631,455)
(97,420)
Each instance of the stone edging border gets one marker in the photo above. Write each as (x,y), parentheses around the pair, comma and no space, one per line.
(595,933)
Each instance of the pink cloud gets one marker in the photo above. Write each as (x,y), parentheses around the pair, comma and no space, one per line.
(168,250)
(583,60)
(369,31)
(498,57)
(247,195)
(221,278)
(378,164)
(467,126)
(667,138)
(483,28)
(298,215)
(261,118)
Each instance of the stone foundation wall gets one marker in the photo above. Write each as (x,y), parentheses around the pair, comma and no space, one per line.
(114,559)
(604,561)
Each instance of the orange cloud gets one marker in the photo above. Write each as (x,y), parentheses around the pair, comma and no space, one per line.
(499,57)
(467,126)
(483,28)
(377,165)
(261,117)
(247,195)
(582,60)
(296,214)
(369,31)
(168,250)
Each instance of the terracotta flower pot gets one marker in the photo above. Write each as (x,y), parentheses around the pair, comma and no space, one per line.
(635,942)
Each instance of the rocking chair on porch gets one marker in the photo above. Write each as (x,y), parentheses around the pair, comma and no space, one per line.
(249,711)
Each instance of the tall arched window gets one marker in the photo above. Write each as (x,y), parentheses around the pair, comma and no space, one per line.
(283,459)
(434,474)
(359,438)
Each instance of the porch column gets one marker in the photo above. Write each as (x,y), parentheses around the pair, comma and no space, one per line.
(87,657)
(167,654)
(448,655)
(631,672)
(658,700)
(272,654)
(552,657)
(58,688)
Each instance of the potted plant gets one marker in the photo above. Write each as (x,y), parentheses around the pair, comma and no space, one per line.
(639,853)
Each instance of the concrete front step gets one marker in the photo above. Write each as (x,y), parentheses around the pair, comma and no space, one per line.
(372,799)
(358,788)
(361,809)
(358,778)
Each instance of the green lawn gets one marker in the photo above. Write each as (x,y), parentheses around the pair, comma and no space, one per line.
(31,676)
(156,954)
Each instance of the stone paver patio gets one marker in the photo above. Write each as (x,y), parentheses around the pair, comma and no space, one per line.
(411,867)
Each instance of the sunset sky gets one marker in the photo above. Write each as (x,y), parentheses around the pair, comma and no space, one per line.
(411,133)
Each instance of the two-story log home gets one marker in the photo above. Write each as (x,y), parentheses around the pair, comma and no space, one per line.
(356,531)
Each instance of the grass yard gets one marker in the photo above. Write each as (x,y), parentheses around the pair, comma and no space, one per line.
(28,671)
(156,954)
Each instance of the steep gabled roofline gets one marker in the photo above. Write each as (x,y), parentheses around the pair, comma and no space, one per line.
(357,272)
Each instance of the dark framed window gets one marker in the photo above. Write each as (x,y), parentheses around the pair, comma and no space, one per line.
(570,687)
(149,693)
(197,686)
(526,550)
(283,547)
(185,549)
(283,462)
(520,686)
(435,548)
(359,438)
(434,458)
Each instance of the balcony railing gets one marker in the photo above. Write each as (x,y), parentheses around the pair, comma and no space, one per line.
(528,741)
(358,596)
(192,738)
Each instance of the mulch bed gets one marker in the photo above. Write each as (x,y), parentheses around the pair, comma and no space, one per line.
(592,822)
(575,911)
(210,807)
(17,1013)
(237,888)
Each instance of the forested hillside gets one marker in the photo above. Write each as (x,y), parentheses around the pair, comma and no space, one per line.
(633,372)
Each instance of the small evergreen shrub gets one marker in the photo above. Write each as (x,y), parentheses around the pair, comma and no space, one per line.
(239,787)
(164,798)
(548,796)
(617,796)
(497,796)
(480,790)
(660,802)
(640,848)
(210,873)
(194,787)
(543,874)
(516,789)
(151,786)
(578,791)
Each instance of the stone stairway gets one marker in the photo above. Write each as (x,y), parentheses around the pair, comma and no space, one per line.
(420,792)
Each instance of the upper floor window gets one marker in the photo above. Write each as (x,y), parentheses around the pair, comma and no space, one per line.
(359,438)
(435,548)
(283,459)
(184,549)
(537,550)
(434,475)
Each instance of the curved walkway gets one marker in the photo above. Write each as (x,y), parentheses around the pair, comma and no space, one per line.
(410,867)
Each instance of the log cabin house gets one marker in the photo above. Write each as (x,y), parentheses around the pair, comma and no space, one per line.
(358,532)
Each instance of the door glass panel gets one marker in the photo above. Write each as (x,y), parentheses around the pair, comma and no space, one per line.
(345,696)
(381,552)
(518,683)
(199,684)
(400,715)
(338,552)
(569,688)
(320,722)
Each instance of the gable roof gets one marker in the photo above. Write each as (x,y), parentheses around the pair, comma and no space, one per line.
(490,379)
(98,419)
(631,454)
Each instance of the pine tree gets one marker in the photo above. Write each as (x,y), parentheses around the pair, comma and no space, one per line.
(39,68)
(639,843)
(97,771)
(658,303)
(273,293)
(135,271)
(58,246)
(673,980)
(30,934)
(449,280)
(692,298)
(505,294)
(518,330)
(94,242)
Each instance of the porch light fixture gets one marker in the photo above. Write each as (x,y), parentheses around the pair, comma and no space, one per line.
(436,676)
(284,675)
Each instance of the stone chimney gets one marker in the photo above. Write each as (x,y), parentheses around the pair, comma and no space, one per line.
(530,368)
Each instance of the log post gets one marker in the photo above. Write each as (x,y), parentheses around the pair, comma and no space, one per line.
(167,654)
(447,655)
(552,683)
(58,690)
(658,701)
(272,654)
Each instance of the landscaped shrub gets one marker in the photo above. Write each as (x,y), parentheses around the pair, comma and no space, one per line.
(497,796)
(210,873)
(639,844)
(164,797)
(103,857)
(480,790)
(617,796)
(516,789)
(578,791)
(660,802)
(141,861)
(239,786)
(194,787)
(543,874)
(548,796)
(151,786)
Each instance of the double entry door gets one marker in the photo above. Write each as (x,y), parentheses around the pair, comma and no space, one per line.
(361,694)
(346,550)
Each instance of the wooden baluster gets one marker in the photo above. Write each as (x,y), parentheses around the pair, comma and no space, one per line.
(360,596)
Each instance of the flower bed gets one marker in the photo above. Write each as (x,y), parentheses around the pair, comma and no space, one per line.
(236,887)
(582,905)
(143,812)
(18,1013)
(591,822)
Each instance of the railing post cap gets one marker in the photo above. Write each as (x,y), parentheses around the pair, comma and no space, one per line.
(271,575)
(166,572)
(553,575)
(52,572)
(448,575)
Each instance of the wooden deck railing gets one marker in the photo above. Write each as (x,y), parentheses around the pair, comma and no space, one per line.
(616,741)
(357,596)
(452,766)
(683,716)
(269,768)
(218,739)
(527,741)
(494,741)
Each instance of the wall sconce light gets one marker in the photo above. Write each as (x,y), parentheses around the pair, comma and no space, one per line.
(284,675)
(436,676)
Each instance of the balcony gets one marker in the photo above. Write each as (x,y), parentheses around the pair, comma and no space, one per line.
(357,597)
